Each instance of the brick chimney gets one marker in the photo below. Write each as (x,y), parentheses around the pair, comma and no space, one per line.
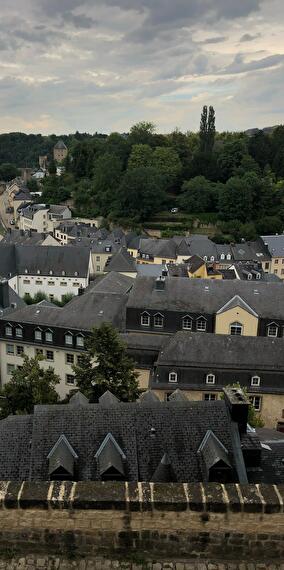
(238,407)
(4,294)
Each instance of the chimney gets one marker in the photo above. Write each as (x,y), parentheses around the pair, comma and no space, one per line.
(160,283)
(238,407)
(81,291)
(4,294)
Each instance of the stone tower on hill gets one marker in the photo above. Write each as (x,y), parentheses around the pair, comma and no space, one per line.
(60,151)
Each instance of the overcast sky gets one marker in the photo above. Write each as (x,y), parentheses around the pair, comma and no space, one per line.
(102,65)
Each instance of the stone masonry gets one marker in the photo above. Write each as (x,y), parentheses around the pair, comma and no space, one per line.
(143,522)
(32,562)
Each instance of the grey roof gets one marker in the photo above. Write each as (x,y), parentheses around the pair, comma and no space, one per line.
(250,251)
(61,457)
(108,399)
(178,396)
(194,263)
(31,209)
(186,348)
(164,472)
(150,269)
(275,245)
(60,145)
(96,245)
(21,237)
(110,458)
(57,209)
(158,247)
(113,283)
(23,194)
(144,341)
(207,295)
(78,400)
(143,433)
(212,452)
(121,262)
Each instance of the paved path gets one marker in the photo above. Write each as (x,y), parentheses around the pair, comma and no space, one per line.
(31,562)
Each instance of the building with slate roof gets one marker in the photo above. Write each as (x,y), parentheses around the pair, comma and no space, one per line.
(60,151)
(53,270)
(43,217)
(202,369)
(175,441)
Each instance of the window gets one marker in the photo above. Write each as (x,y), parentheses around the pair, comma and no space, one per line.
(69,339)
(49,355)
(275,271)
(70,379)
(51,297)
(98,267)
(80,360)
(8,330)
(187,323)
(39,351)
(98,258)
(201,324)
(26,281)
(210,379)
(69,358)
(222,256)
(255,381)
(38,271)
(256,402)
(282,271)
(205,257)
(51,272)
(9,349)
(19,332)
(20,350)
(48,336)
(76,273)
(164,261)
(236,329)
(145,319)
(229,257)
(80,341)
(63,283)
(51,283)
(76,284)
(38,282)
(276,261)
(63,273)
(10,368)
(173,377)
(210,397)
(26,271)
(212,258)
(38,334)
(272,330)
(267,265)
(158,321)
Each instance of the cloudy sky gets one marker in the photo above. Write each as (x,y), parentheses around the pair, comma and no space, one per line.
(102,65)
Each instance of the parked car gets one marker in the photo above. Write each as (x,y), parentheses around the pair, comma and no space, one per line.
(174,210)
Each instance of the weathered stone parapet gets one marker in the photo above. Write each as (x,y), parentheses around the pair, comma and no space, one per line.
(196,497)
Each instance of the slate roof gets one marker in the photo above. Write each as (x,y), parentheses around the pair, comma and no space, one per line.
(275,245)
(150,269)
(241,352)
(207,295)
(158,248)
(143,433)
(194,263)
(250,251)
(122,262)
(271,470)
(16,259)
(20,237)
(23,194)
(60,145)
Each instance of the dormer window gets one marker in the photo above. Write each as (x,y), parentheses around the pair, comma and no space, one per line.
(201,324)
(249,276)
(272,330)
(69,339)
(51,272)
(63,273)
(76,273)
(26,271)
(222,256)
(19,331)
(158,320)
(236,329)
(80,341)
(38,271)
(205,258)
(8,330)
(212,258)
(145,319)
(255,381)
(48,336)
(229,257)
(173,377)
(38,335)
(61,461)
(210,378)
(258,276)
(187,323)
(108,249)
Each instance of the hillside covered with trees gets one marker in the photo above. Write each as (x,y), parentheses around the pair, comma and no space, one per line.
(234,179)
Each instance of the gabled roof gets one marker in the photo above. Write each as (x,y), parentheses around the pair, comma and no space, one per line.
(108,399)
(213,451)
(62,455)
(164,472)
(78,400)
(178,396)
(237,301)
(121,262)
(149,397)
(194,263)
(60,145)
(110,456)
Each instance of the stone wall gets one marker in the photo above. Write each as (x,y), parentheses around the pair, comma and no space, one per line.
(143,520)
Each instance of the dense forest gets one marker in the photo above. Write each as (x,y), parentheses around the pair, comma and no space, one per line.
(235,180)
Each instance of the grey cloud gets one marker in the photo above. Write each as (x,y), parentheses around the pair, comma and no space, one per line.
(249,37)
(216,40)
(80,20)
(239,66)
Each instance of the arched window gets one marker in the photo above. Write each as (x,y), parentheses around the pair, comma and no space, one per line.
(222,256)
(48,335)
(51,272)
(255,381)
(145,319)
(187,323)
(69,339)
(229,257)
(212,258)
(201,324)
(205,257)
(158,320)
(173,377)
(236,329)
(272,330)
(210,378)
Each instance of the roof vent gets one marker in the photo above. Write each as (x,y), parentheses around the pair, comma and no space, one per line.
(160,283)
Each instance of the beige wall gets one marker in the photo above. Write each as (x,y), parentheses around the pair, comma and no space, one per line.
(277,266)
(237,314)
(143,378)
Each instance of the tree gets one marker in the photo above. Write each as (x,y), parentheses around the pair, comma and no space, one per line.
(237,199)
(8,171)
(52,168)
(141,155)
(141,194)
(142,133)
(30,385)
(259,147)
(230,157)
(207,130)
(32,185)
(198,195)
(166,161)
(107,177)
(106,366)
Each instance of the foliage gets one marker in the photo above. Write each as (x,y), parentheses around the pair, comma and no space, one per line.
(29,386)
(41,296)
(8,171)
(106,366)
(198,195)
(207,130)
